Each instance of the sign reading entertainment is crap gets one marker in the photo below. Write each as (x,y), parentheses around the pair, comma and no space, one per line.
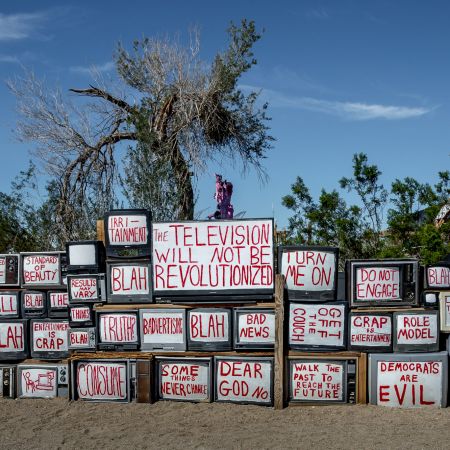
(228,255)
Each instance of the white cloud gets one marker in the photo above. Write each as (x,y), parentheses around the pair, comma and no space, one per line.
(9,59)
(19,26)
(87,70)
(344,110)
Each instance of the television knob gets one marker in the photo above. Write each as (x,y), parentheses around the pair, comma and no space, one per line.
(6,382)
(63,379)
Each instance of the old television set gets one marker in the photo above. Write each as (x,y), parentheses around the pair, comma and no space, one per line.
(384,282)
(9,270)
(81,316)
(8,378)
(57,303)
(408,380)
(129,281)
(310,272)
(184,379)
(85,256)
(430,299)
(370,331)
(49,338)
(437,276)
(444,309)
(128,233)
(83,339)
(9,304)
(247,380)
(42,380)
(13,339)
(341,387)
(163,329)
(43,270)
(209,329)
(33,304)
(253,328)
(228,261)
(416,331)
(317,327)
(86,288)
(117,330)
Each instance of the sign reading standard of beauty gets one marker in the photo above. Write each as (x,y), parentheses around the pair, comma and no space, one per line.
(227,256)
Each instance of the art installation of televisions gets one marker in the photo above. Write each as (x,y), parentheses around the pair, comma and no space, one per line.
(254,328)
(85,257)
(370,331)
(86,288)
(43,270)
(117,330)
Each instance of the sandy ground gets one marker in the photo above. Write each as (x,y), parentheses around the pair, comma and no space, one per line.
(59,424)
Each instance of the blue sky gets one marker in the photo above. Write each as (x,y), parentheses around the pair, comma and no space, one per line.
(340,77)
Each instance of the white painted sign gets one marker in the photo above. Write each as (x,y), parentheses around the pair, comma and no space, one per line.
(370,330)
(39,382)
(59,299)
(209,326)
(80,314)
(50,336)
(83,288)
(438,277)
(308,270)
(102,381)
(317,381)
(377,283)
(81,338)
(118,328)
(41,269)
(214,255)
(129,280)
(417,328)
(8,304)
(316,324)
(244,381)
(184,381)
(256,327)
(446,303)
(2,269)
(127,230)
(12,337)
(163,327)
(33,300)
(409,384)
(82,254)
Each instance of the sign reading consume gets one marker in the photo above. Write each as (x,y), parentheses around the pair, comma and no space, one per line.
(213,256)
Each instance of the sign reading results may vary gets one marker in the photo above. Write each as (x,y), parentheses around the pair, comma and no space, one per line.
(226,255)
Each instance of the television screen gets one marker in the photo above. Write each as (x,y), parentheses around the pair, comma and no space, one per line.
(58,302)
(321,380)
(34,304)
(370,331)
(129,282)
(184,379)
(430,299)
(225,260)
(318,327)
(82,339)
(247,380)
(13,339)
(163,329)
(416,331)
(117,330)
(9,304)
(9,270)
(254,328)
(86,288)
(382,283)
(444,308)
(209,329)
(81,316)
(85,256)
(437,276)
(127,233)
(42,380)
(100,380)
(408,381)
(42,270)
(49,339)
(310,272)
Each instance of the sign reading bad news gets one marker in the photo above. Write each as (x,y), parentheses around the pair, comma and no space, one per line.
(213,256)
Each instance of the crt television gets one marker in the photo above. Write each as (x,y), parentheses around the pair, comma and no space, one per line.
(437,276)
(42,380)
(384,282)
(34,304)
(117,330)
(57,303)
(310,272)
(85,256)
(444,308)
(129,281)
(9,304)
(82,339)
(370,331)
(86,288)
(43,270)
(49,338)
(81,316)
(127,233)
(9,270)
(254,328)
(13,339)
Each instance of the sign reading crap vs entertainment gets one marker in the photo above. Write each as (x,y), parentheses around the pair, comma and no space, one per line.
(212,257)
